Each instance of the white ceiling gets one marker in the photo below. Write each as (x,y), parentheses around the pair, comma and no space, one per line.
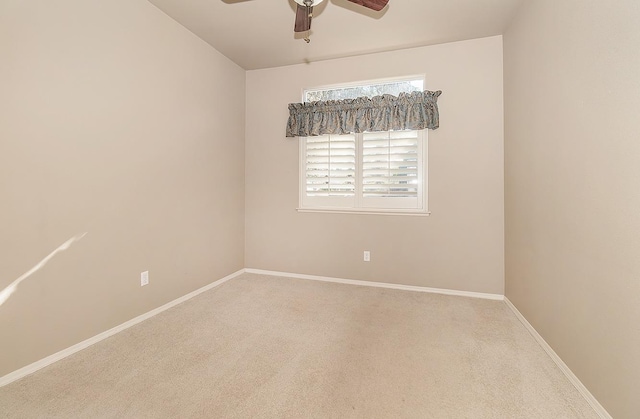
(259,33)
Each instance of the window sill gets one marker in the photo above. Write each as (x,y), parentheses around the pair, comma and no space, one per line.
(363,211)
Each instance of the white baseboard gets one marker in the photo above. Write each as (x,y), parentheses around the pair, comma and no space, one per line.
(31,368)
(601,411)
(379,284)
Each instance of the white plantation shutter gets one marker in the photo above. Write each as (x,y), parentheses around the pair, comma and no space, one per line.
(390,164)
(329,171)
(331,165)
(376,171)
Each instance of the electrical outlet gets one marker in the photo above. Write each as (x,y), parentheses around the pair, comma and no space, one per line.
(367,256)
(144,278)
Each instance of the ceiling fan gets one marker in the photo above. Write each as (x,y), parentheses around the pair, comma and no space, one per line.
(304,12)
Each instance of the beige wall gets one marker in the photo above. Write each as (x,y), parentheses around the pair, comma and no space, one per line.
(460,246)
(116,121)
(572,153)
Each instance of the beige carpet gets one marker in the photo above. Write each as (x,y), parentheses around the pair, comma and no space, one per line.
(267,347)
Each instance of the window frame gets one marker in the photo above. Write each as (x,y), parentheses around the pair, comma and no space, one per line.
(334,205)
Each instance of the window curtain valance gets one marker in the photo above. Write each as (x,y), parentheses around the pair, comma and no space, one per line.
(414,111)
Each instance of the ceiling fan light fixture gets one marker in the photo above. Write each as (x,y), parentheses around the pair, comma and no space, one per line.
(313,3)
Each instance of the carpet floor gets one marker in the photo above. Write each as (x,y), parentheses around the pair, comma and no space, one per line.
(270,347)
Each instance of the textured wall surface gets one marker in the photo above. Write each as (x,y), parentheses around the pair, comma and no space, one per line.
(118,122)
(460,246)
(572,189)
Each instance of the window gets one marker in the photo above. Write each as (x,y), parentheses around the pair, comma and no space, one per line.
(365,89)
(372,172)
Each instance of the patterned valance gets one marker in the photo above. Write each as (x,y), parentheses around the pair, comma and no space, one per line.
(415,111)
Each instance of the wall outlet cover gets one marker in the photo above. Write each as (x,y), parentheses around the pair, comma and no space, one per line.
(144,278)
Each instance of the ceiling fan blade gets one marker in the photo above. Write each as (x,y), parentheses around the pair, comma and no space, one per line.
(376,5)
(303,18)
